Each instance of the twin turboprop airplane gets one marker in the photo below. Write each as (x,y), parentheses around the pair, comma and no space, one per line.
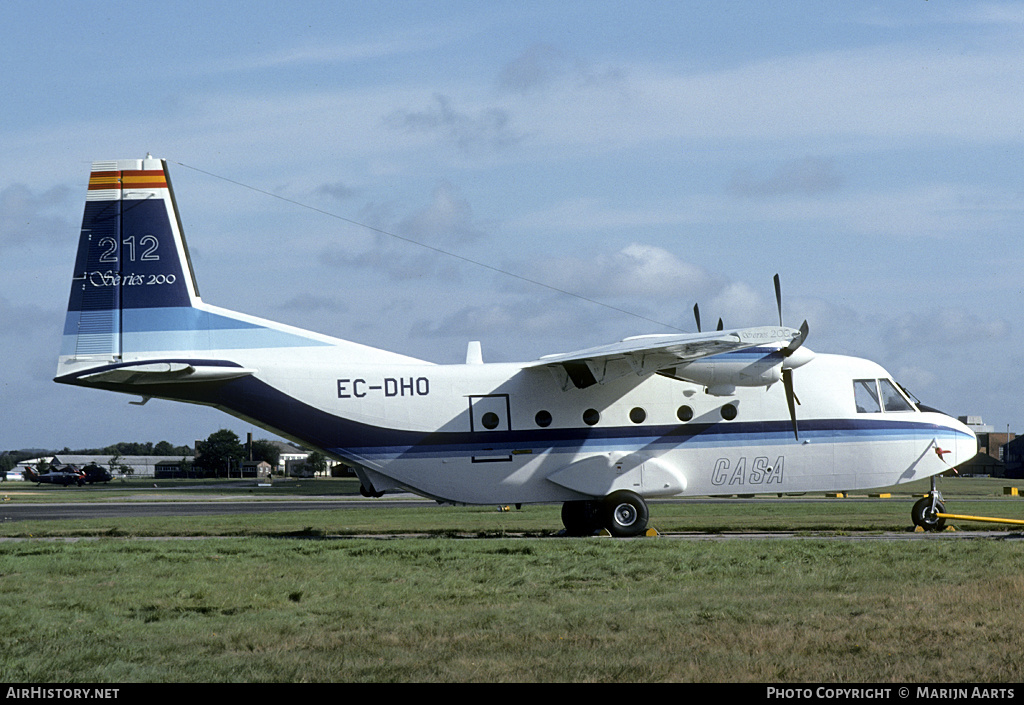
(599,430)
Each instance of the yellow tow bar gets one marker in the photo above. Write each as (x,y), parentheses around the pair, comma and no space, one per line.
(966,517)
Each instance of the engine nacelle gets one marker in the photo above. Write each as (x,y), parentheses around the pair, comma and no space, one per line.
(721,374)
(755,367)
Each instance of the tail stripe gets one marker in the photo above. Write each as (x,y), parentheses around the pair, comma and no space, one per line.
(124,180)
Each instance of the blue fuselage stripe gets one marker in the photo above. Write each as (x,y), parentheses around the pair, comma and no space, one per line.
(259,401)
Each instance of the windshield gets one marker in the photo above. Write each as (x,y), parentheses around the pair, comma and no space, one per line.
(865,393)
(892,399)
(876,395)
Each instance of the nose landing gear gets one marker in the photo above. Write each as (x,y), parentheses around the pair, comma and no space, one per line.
(927,511)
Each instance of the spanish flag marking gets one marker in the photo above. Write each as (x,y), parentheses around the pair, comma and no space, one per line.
(143,179)
(99,180)
(105,180)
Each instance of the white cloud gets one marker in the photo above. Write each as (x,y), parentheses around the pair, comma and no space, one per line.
(481,128)
(640,272)
(422,246)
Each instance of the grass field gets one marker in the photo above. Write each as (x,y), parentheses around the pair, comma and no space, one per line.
(298,597)
(972,496)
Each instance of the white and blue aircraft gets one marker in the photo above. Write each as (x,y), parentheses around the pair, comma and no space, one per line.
(598,430)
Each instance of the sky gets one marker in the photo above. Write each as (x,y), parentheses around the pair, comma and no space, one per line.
(539,176)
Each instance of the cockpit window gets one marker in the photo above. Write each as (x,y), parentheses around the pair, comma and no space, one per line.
(892,400)
(865,394)
(873,396)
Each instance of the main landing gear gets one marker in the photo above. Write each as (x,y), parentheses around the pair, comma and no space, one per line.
(926,511)
(623,513)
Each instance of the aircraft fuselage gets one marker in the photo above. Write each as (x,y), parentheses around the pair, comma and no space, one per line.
(504,433)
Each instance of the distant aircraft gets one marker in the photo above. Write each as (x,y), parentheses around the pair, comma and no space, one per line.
(57,475)
(94,472)
(598,430)
(67,474)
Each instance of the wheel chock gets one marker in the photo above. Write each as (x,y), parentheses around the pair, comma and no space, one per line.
(651,531)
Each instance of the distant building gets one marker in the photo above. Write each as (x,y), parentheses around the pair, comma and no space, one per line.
(989,460)
(177,469)
(290,455)
(292,462)
(259,469)
(138,465)
(1013,452)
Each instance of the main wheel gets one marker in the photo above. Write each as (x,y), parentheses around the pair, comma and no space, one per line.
(581,518)
(625,513)
(924,517)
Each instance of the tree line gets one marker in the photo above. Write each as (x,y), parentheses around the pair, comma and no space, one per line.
(221,451)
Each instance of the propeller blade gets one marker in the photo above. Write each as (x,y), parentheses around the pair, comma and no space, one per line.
(778,296)
(797,341)
(696,315)
(721,326)
(791,400)
(787,373)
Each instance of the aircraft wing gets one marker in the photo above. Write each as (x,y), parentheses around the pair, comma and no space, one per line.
(645,354)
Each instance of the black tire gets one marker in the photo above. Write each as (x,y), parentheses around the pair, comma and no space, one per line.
(924,517)
(625,514)
(580,518)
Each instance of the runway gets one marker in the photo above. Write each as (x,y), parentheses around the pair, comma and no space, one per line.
(173,508)
(15,511)
(12,512)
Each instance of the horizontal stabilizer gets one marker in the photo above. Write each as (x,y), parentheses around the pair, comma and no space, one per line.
(166,373)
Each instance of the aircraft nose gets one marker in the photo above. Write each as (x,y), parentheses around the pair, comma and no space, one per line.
(963,440)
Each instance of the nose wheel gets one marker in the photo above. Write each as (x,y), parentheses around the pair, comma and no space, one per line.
(927,509)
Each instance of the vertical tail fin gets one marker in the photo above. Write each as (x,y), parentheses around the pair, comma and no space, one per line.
(131,257)
(134,312)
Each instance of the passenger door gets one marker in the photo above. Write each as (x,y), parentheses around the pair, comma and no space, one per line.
(490,415)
